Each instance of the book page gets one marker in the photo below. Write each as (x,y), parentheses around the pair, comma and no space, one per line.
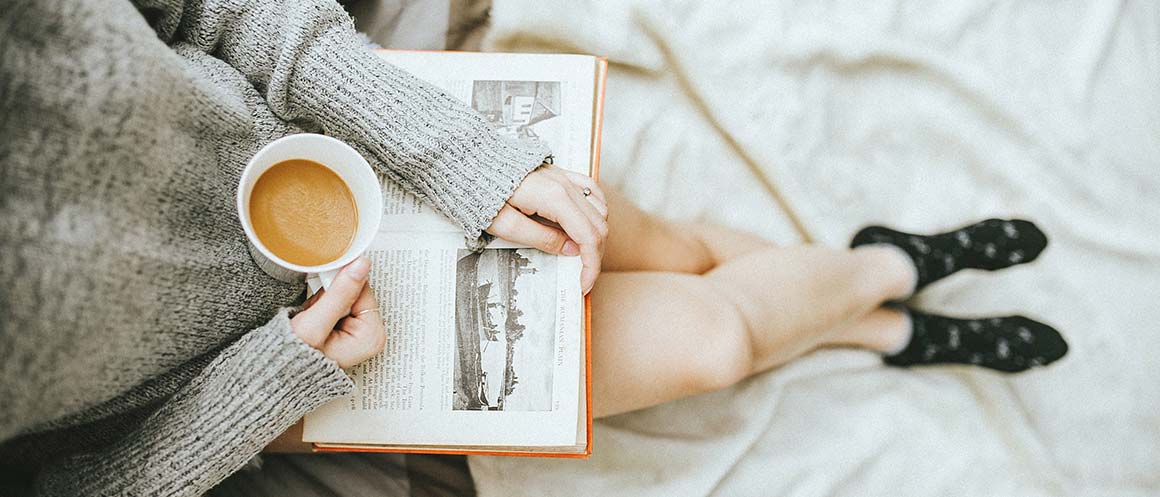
(483,348)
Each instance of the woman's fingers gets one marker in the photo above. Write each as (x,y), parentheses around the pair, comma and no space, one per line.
(592,204)
(364,308)
(552,196)
(594,209)
(588,206)
(361,334)
(578,225)
(549,193)
(589,273)
(348,307)
(595,194)
(343,292)
(314,324)
(365,302)
(359,342)
(513,225)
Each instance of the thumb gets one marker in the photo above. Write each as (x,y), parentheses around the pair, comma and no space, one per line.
(319,320)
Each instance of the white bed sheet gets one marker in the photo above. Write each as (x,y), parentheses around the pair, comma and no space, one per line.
(923,115)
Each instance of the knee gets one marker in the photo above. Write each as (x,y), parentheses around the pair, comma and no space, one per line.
(724,355)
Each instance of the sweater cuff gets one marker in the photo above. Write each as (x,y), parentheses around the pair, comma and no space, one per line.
(276,372)
(252,392)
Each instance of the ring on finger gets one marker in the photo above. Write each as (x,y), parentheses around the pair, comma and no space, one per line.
(360,313)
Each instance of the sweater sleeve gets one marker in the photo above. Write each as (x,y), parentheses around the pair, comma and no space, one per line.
(306,59)
(252,392)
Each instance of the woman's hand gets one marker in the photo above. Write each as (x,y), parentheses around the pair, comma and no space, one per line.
(335,321)
(558,196)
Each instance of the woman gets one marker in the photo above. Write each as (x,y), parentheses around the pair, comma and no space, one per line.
(144,353)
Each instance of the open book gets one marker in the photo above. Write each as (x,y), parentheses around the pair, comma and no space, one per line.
(488,353)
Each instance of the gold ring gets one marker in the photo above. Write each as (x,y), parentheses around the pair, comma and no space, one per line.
(360,313)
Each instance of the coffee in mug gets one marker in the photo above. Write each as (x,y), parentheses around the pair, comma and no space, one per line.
(309,204)
(303,212)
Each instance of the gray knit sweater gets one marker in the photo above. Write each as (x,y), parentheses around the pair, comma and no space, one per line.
(142,352)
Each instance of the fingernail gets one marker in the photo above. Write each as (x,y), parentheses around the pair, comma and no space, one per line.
(570,248)
(360,268)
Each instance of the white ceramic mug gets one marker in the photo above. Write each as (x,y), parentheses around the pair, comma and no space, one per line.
(348,165)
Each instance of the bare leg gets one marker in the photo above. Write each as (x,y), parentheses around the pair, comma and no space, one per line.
(638,241)
(689,308)
(660,336)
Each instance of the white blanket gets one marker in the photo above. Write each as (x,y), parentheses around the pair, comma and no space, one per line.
(922,115)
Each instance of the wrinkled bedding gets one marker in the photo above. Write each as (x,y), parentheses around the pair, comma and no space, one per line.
(801,121)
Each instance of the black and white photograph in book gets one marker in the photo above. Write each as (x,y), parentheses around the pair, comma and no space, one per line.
(505,322)
(520,109)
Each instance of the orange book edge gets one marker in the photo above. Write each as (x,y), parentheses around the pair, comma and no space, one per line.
(597,133)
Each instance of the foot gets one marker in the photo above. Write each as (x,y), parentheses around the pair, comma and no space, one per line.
(989,245)
(1010,344)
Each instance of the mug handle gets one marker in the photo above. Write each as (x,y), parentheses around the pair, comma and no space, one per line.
(319,281)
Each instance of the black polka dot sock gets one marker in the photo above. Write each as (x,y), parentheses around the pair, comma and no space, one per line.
(1010,344)
(990,245)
